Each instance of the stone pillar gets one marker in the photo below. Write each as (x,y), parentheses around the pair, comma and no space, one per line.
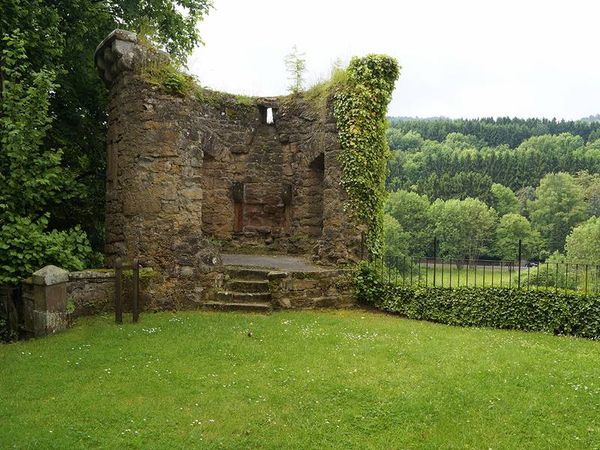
(45,301)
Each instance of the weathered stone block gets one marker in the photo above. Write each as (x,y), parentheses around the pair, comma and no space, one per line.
(50,275)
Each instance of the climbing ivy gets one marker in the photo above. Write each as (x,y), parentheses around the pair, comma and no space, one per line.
(360,112)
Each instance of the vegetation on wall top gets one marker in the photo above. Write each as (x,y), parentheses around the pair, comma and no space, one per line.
(169,76)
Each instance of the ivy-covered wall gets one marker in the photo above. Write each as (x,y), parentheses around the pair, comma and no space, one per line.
(360,108)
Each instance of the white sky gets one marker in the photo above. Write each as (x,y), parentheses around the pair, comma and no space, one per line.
(459,58)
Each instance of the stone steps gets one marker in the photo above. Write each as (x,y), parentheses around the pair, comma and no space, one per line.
(246,307)
(245,289)
(250,274)
(247,286)
(241,297)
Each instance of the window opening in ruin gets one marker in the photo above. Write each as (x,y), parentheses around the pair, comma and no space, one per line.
(267,114)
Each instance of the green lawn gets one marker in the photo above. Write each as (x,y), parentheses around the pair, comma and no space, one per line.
(346,379)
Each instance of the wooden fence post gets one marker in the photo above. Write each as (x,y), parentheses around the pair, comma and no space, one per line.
(135,307)
(118,298)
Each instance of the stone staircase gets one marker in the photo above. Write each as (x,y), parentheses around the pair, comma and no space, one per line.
(244,289)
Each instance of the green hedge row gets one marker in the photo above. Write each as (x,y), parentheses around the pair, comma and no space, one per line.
(506,308)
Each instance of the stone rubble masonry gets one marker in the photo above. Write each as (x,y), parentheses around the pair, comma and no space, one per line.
(326,289)
(190,176)
(93,292)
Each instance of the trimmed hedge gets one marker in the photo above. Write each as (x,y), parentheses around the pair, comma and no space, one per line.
(564,313)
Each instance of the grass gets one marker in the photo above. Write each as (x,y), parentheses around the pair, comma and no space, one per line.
(336,379)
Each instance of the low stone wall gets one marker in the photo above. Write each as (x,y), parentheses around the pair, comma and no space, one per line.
(91,292)
(52,296)
(301,290)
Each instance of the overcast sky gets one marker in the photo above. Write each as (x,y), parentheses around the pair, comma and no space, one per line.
(459,58)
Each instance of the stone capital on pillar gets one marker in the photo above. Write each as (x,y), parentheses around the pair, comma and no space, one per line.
(121,52)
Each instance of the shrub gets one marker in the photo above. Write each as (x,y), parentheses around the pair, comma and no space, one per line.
(369,285)
(548,311)
(7,332)
(551,277)
(26,246)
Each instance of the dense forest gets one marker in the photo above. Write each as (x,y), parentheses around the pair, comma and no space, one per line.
(494,132)
(481,185)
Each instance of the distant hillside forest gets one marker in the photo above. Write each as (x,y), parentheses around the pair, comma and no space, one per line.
(491,182)
(494,132)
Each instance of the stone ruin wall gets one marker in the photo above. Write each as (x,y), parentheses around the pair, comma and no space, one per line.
(188,178)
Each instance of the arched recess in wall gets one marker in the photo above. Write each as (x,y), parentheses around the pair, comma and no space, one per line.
(309,198)
(215,182)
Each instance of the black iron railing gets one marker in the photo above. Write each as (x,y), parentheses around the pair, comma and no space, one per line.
(455,273)
(518,273)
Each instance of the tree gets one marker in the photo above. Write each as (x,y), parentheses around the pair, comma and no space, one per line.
(394,237)
(406,142)
(504,200)
(465,228)
(525,195)
(31,177)
(461,185)
(411,210)
(494,132)
(590,184)
(459,141)
(511,229)
(583,244)
(558,207)
(296,66)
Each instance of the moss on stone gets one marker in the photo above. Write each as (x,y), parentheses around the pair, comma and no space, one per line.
(145,272)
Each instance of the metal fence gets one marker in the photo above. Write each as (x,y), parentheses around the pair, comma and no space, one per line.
(454,273)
